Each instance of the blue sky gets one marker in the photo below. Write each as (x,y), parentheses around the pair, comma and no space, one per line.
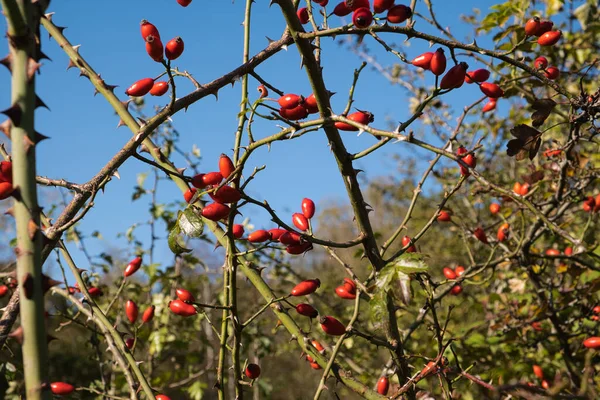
(83,130)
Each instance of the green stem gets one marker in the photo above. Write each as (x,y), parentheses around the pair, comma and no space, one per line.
(26,210)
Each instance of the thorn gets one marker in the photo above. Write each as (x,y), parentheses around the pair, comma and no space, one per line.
(116,174)
(40,103)
(32,229)
(5,127)
(143,121)
(49,16)
(32,68)
(144,149)
(83,72)
(41,56)
(7,62)
(15,113)
(120,124)
(28,286)
(76,48)
(71,64)
(180,170)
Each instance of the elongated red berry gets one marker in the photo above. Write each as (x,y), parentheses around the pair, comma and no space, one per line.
(479,75)
(302,15)
(449,273)
(290,101)
(148,29)
(61,388)
(140,88)
(459,270)
(341,10)
(538,372)
(174,48)
(362,117)
(310,103)
(301,248)
(237,230)
(350,285)
(479,233)
(344,293)
(541,62)
(159,88)
(318,346)
(185,295)
(307,310)
(252,371)
(489,106)
(289,238)
(545,26)
(183,3)
(6,171)
(154,48)
(210,178)
(131,310)
(308,208)
(226,195)
(438,62)
(356,4)
(332,326)
(148,314)
(178,307)
(189,195)
(380,6)
(276,234)
(294,114)
(259,236)
(491,90)
(306,287)
(362,18)
(300,221)
(383,385)
(215,211)
(133,266)
(226,166)
(592,342)
(455,77)
(406,240)
(95,291)
(162,396)
(532,26)
(399,14)
(503,232)
(549,38)
(423,61)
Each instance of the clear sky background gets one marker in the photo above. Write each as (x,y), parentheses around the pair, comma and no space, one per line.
(83,130)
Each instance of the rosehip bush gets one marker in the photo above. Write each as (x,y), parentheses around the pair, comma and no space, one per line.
(469,270)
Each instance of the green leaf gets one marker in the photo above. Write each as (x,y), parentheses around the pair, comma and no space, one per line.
(190,223)
(141,178)
(379,314)
(173,240)
(409,263)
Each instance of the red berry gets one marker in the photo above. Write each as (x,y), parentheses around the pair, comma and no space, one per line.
(215,211)
(380,6)
(438,62)
(306,287)
(406,240)
(303,15)
(589,204)
(491,90)
(423,61)
(444,216)
(4,290)
(314,365)
(162,396)
(350,285)
(276,233)
(322,3)
(259,236)
(140,88)
(307,310)
(332,326)
(456,290)
(468,159)
(301,248)
(189,195)
(362,18)
(154,48)
(479,75)
(502,233)
(383,385)
(129,343)
(289,238)
(178,307)
(148,314)
(226,166)
(159,88)
(344,293)
(455,77)
(569,252)
(308,208)
(300,221)
(537,371)
(294,114)
(449,273)
(545,384)
(185,295)
(310,103)
(552,73)
(225,195)
(183,3)
(341,10)
(549,38)
(211,178)
(94,291)
(494,208)
(489,106)
(131,310)
(399,14)
(362,117)
(544,27)
(237,230)
(6,190)
(133,266)
(356,4)
(252,371)
(290,101)
(263,91)
(61,388)
(174,48)
(541,62)
(480,235)
(6,171)
(597,203)
(148,29)
(532,26)
(459,270)
(552,252)
(318,346)
(592,342)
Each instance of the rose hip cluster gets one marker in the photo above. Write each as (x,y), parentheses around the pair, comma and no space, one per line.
(154,47)
(6,180)
(362,17)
